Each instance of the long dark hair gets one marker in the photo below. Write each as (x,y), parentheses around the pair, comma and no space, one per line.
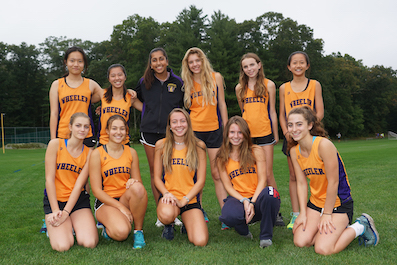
(109,91)
(66,56)
(148,76)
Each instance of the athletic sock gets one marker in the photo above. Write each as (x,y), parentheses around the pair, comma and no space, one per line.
(358,228)
(137,231)
(295,213)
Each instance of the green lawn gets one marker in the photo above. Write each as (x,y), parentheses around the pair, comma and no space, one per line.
(371,166)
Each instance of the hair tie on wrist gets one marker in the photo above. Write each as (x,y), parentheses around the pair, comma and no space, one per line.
(67,211)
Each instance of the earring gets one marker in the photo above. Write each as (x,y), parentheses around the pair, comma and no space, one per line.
(66,67)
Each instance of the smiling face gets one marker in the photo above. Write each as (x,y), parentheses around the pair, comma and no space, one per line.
(194,62)
(117,131)
(75,63)
(178,124)
(298,64)
(158,62)
(80,127)
(298,127)
(250,67)
(117,77)
(236,136)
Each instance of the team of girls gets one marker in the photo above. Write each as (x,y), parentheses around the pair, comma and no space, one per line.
(242,167)
(204,98)
(66,202)
(324,218)
(121,198)
(179,176)
(301,91)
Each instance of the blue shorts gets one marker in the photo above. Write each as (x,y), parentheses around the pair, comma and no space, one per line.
(264,140)
(82,202)
(212,139)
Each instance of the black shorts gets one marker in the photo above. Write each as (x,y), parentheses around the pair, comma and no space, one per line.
(187,207)
(98,203)
(264,140)
(285,143)
(82,202)
(99,144)
(150,139)
(344,208)
(90,141)
(212,139)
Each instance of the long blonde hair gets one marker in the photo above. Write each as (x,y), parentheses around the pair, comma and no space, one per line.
(208,82)
(246,156)
(259,88)
(190,141)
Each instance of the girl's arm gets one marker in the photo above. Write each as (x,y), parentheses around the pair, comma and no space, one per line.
(259,155)
(318,99)
(240,103)
(96,91)
(221,98)
(282,120)
(137,104)
(135,172)
(328,153)
(96,185)
(50,168)
(54,111)
(271,87)
(201,175)
(301,188)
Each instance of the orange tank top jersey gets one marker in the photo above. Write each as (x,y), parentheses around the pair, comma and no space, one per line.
(115,172)
(120,107)
(245,182)
(204,118)
(313,168)
(256,113)
(68,169)
(181,180)
(300,99)
(72,100)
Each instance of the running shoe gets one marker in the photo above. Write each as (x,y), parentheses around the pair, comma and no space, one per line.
(279,220)
(99,225)
(139,240)
(205,216)
(265,243)
(178,222)
(104,234)
(370,236)
(224,226)
(183,230)
(291,223)
(168,232)
(158,223)
(249,235)
(43,228)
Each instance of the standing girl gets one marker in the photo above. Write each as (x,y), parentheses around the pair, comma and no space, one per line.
(301,91)
(256,96)
(66,202)
(204,98)
(182,156)
(116,183)
(115,100)
(242,168)
(160,91)
(323,221)
(72,93)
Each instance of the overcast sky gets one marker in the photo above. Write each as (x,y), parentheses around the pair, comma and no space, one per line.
(366,30)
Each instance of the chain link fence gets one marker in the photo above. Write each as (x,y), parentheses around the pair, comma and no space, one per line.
(17,135)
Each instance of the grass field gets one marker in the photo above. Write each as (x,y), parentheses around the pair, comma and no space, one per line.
(371,166)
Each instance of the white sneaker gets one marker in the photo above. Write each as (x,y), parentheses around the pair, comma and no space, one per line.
(158,223)
(178,222)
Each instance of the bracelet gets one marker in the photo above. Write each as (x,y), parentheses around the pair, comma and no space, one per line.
(327,213)
(166,192)
(66,211)
(186,198)
(253,202)
(245,199)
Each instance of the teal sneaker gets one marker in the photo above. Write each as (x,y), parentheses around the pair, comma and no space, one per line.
(139,240)
(205,216)
(224,226)
(291,223)
(43,228)
(370,236)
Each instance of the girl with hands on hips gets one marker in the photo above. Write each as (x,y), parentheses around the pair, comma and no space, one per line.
(324,219)
(181,156)
(66,202)
(242,168)
(121,198)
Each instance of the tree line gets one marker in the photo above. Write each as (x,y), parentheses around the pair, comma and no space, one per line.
(359,100)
